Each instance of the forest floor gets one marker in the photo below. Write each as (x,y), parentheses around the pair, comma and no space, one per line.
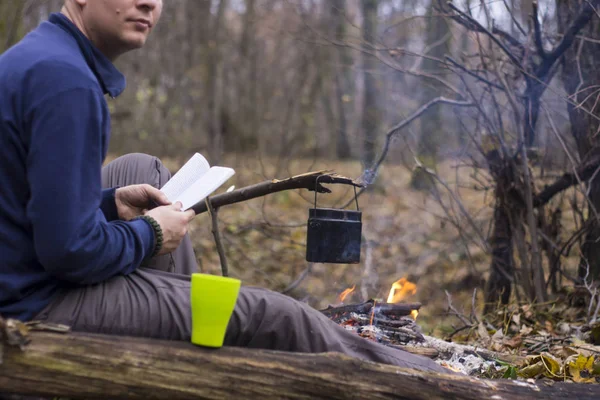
(406,234)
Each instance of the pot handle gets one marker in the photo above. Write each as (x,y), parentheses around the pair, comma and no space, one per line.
(317,184)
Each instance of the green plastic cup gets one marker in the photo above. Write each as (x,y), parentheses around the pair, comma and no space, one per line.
(213,299)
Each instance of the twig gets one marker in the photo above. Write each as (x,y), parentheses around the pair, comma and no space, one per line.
(473,74)
(372,172)
(215,231)
(455,312)
(298,280)
(514,20)
(476,25)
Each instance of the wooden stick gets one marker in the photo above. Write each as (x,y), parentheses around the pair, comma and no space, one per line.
(217,235)
(304,181)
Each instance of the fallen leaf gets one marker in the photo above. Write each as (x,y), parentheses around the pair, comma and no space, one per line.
(525,330)
(552,364)
(517,319)
(533,370)
(582,369)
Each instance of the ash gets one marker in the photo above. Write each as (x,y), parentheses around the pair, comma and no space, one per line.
(468,364)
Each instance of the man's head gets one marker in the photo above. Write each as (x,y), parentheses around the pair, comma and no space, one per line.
(114,26)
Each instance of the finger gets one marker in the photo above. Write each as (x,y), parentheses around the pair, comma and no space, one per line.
(177,206)
(156,195)
(190,214)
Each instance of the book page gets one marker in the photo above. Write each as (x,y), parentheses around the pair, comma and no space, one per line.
(186,176)
(204,186)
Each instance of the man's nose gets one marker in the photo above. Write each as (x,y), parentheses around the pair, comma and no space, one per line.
(149,4)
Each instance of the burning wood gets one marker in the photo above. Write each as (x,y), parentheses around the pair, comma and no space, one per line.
(391,324)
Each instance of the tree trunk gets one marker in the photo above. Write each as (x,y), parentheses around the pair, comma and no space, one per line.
(580,71)
(432,133)
(499,284)
(101,366)
(343,79)
(215,92)
(370,116)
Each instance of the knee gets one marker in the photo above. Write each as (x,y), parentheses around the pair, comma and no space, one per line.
(135,168)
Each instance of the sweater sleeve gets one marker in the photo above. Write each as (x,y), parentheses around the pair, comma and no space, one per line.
(108,204)
(73,239)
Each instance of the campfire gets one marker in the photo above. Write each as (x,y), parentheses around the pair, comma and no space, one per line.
(391,322)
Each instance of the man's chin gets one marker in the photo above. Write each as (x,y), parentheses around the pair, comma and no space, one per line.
(136,42)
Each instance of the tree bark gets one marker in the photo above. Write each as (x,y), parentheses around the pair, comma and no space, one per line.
(343,80)
(579,71)
(101,366)
(431,124)
(214,83)
(499,284)
(370,116)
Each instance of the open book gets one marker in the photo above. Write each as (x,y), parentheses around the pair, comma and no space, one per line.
(195,181)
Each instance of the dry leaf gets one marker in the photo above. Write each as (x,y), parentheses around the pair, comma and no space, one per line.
(552,365)
(517,319)
(525,330)
(533,370)
(582,369)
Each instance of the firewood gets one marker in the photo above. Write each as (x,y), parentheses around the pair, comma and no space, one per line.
(398,309)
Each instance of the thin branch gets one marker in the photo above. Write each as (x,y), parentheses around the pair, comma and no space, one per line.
(514,20)
(476,25)
(371,173)
(585,15)
(454,311)
(473,74)
(215,231)
(583,173)
(298,280)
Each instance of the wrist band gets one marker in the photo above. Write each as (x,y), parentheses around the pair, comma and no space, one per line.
(158,235)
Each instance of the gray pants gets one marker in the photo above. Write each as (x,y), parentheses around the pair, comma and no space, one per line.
(155,302)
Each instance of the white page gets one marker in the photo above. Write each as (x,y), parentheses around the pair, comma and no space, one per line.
(186,176)
(204,186)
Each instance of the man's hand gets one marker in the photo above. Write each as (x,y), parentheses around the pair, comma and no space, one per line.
(132,201)
(173,223)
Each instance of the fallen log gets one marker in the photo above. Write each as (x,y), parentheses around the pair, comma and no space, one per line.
(89,366)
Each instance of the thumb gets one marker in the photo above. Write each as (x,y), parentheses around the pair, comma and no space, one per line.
(177,206)
(190,214)
(154,194)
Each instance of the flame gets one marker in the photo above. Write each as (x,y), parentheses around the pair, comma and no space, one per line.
(400,289)
(414,314)
(345,293)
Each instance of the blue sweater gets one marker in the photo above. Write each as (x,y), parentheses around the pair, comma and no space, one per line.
(58,228)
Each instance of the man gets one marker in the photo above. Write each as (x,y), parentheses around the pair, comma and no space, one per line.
(70,251)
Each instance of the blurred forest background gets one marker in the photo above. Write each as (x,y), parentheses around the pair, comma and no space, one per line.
(474,123)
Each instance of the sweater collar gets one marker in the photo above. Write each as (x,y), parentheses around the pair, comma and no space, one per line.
(110,78)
